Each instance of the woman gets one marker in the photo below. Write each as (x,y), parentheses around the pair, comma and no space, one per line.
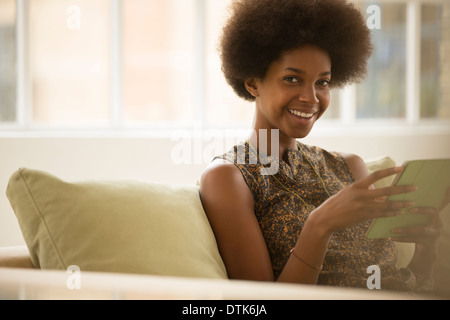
(306,221)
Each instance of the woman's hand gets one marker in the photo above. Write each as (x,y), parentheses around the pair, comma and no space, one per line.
(359,202)
(425,237)
(422,235)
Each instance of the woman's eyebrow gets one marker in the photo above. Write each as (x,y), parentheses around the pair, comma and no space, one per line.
(299,71)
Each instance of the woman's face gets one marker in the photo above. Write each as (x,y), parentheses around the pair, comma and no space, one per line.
(295,92)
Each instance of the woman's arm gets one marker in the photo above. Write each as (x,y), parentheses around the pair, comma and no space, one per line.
(356,165)
(424,237)
(317,235)
(229,205)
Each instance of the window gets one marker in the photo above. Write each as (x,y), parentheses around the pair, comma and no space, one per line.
(154,64)
(223,107)
(7,61)
(406,78)
(434,67)
(158,51)
(68,61)
(383,93)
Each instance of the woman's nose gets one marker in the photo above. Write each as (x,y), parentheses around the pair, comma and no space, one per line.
(308,95)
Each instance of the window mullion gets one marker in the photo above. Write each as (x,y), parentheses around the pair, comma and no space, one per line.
(348,105)
(413,37)
(116,78)
(199,65)
(23,89)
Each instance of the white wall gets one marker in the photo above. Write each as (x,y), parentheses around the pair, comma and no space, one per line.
(154,158)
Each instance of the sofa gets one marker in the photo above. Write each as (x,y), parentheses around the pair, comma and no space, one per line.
(131,239)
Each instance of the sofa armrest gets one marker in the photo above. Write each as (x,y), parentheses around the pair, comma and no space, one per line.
(15,257)
(34,284)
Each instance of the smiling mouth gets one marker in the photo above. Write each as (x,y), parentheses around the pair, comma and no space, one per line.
(301,114)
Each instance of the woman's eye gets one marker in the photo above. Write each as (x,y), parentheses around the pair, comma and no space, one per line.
(324,83)
(291,79)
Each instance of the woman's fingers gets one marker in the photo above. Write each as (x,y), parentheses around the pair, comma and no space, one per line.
(381,194)
(384,193)
(427,234)
(446,200)
(378,175)
(423,234)
(391,205)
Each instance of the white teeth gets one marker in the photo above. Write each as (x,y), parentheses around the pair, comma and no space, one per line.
(301,114)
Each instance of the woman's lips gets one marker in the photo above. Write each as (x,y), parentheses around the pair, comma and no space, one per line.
(301,114)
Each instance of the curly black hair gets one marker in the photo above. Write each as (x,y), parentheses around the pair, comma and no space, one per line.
(258,32)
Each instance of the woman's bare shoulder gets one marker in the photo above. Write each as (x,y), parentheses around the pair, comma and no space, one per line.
(222,180)
(356,164)
(229,205)
(218,170)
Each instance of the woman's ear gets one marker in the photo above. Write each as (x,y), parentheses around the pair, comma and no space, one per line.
(252,87)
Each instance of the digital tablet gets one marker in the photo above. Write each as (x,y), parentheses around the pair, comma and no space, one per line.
(432,177)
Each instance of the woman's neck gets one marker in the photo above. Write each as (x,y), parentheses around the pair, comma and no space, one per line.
(271,141)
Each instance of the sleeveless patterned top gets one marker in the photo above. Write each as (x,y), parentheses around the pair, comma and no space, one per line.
(281,214)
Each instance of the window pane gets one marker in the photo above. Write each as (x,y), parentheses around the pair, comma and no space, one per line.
(69,61)
(223,106)
(7,61)
(435,68)
(158,60)
(382,95)
(334,107)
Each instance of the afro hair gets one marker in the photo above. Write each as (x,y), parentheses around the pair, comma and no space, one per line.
(258,32)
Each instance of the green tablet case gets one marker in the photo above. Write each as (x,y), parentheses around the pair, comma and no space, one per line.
(433,180)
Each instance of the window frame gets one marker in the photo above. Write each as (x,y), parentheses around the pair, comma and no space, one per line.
(347,117)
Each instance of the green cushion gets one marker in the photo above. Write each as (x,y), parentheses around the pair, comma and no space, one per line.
(379,164)
(126,226)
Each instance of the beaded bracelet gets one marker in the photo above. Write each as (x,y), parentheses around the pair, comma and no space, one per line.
(305,263)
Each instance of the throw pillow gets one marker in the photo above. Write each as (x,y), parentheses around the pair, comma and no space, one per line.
(125,226)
